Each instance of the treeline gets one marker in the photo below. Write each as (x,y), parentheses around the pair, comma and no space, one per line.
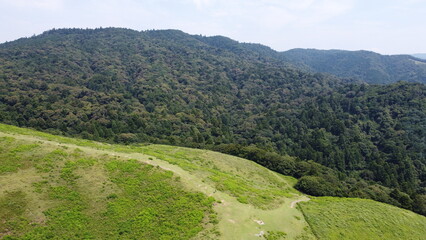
(368,66)
(117,85)
(318,180)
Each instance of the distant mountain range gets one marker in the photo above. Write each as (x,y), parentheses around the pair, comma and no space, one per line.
(367,66)
(419,55)
(169,87)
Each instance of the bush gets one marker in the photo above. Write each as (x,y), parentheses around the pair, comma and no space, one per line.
(316,186)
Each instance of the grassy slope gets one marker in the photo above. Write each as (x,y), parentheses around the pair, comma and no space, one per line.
(50,191)
(244,191)
(350,218)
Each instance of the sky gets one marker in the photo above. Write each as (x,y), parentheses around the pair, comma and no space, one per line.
(384,26)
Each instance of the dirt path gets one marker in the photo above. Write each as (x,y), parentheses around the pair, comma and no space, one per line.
(93,150)
(237,218)
(293,204)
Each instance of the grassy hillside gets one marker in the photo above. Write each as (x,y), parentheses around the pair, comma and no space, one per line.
(351,218)
(169,87)
(51,191)
(53,186)
(107,191)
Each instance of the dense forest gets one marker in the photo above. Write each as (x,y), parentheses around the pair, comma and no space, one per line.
(340,137)
(368,66)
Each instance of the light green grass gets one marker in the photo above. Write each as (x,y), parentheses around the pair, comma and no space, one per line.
(243,190)
(243,179)
(349,218)
(57,192)
(98,184)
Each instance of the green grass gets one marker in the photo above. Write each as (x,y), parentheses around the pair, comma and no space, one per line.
(73,172)
(12,207)
(64,188)
(349,218)
(56,192)
(243,179)
(13,157)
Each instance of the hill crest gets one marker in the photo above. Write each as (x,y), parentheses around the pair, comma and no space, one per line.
(76,188)
(173,88)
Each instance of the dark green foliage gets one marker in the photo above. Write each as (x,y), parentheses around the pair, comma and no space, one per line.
(318,180)
(275,235)
(283,164)
(363,65)
(316,186)
(169,87)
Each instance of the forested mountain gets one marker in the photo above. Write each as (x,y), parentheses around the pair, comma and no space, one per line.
(367,66)
(419,55)
(120,85)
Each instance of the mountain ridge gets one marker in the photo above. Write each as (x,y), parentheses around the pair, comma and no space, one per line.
(375,69)
(368,66)
(419,55)
(119,85)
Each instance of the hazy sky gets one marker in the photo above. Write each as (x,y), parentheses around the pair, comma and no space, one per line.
(384,26)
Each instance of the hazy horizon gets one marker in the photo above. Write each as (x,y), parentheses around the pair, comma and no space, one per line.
(386,27)
(417,53)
